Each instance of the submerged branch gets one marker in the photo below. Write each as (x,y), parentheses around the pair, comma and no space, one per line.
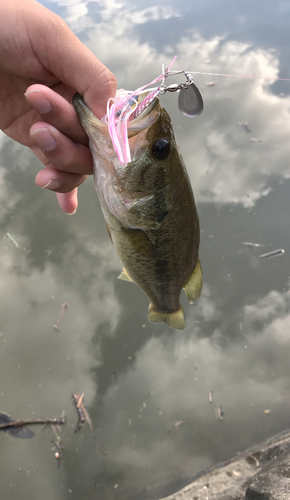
(83,415)
(33,421)
(64,307)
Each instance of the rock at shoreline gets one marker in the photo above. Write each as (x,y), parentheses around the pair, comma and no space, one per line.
(259,474)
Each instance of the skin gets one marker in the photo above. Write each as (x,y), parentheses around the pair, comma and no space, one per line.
(42,65)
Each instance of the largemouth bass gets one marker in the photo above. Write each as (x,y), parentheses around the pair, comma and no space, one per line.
(148,206)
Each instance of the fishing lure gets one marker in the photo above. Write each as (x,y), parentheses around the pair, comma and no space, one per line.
(127,106)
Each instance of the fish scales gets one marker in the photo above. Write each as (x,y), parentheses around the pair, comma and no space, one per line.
(149,209)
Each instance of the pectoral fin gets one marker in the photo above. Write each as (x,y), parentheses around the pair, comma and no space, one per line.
(175,320)
(109,232)
(125,276)
(193,286)
(149,211)
(139,241)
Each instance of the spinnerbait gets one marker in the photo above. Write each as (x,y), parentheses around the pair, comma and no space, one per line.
(127,106)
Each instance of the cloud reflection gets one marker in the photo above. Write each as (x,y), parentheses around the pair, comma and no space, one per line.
(237,352)
(226,165)
(169,383)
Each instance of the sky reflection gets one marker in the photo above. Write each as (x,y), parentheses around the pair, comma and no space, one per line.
(140,379)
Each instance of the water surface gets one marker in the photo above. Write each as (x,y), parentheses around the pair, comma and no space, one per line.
(146,387)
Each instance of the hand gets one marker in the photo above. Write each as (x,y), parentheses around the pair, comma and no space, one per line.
(42,64)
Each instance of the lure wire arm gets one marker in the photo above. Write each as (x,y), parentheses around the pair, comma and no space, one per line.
(124,108)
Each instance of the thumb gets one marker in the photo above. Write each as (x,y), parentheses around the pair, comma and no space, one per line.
(66,57)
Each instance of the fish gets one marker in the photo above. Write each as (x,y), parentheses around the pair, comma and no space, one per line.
(147,202)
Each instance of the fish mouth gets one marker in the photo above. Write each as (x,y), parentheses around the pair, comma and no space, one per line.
(144,119)
(87,118)
(148,113)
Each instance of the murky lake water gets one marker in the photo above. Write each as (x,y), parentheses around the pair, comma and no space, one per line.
(140,379)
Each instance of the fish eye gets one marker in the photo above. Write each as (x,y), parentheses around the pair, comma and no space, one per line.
(161,148)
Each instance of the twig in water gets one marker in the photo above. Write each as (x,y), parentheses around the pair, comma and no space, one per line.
(58,446)
(220,413)
(279,251)
(250,244)
(83,415)
(34,421)
(64,307)
(13,240)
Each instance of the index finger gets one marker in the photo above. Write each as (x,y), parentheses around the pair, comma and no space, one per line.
(74,64)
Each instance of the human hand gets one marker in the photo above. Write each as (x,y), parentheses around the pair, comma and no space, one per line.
(42,64)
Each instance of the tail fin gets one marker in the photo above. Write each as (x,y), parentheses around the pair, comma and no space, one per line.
(175,320)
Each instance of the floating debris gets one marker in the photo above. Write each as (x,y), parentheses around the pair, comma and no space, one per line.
(13,240)
(219,413)
(13,427)
(175,425)
(57,456)
(83,415)
(250,244)
(57,445)
(245,126)
(267,412)
(178,424)
(274,253)
(254,139)
(64,307)
(210,396)
(210,84)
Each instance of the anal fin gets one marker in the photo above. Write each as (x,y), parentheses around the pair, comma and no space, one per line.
(175,320)
(193,285)
(125,276)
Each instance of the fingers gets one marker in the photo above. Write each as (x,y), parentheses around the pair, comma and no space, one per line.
(64,184)
(57,111)
(67,164)
(68,202)
(63,150)
(54,148)
(58,181)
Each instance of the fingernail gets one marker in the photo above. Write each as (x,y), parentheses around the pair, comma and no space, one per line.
(40,102)
(51,184)
(44,139)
